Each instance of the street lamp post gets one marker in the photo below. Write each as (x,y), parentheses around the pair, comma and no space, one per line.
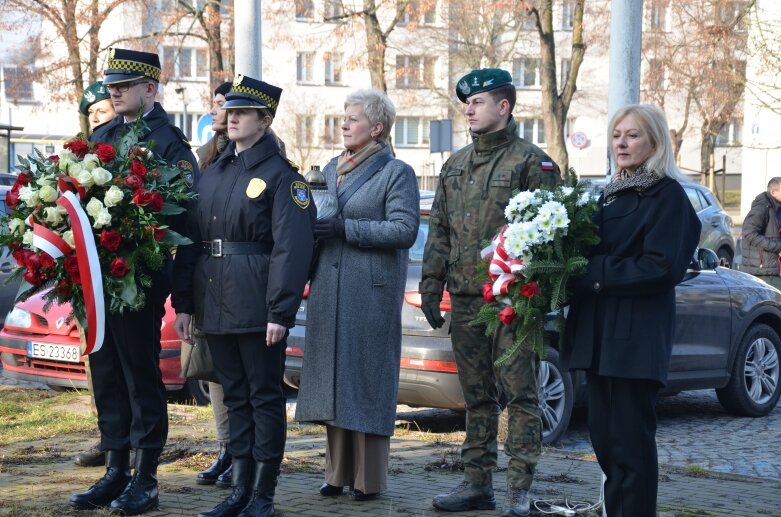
(187,128)
(8,129)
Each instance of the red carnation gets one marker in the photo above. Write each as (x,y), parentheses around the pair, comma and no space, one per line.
(54,158)
(31,276)
(71,266)
(63,288)
(142,197)
(105,152)
(138,169)
(12,198)
(110,240)
(47,261)
(134,182)
(78,147)
(488,292)
(118,267)
(507,315)
(530,289)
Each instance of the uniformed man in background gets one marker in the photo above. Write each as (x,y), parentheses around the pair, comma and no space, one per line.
(128,386)
(475,186)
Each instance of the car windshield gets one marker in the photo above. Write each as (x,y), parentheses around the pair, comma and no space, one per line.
(416,251)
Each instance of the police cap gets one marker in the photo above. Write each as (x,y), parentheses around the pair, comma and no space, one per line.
(130,65)
(247,92)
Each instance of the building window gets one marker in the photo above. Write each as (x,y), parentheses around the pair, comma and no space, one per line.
(532,130)
(411,132)
(566,64)
(184,123)
(655,75)
(18,84)
(305,130)
(305,9)
(430,13)
(730,134)
(525,72)
(567,15)
(408,71)
(305,67)
(416,13)
(333,9)
(185,63)
(333,68)
(657,16)
(528,22)
(332,132)
(429,71)
(728,12)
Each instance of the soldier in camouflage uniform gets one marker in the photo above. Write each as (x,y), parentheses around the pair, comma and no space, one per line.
(475,186)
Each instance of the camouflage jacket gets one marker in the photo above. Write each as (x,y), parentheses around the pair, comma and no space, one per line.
(475,186)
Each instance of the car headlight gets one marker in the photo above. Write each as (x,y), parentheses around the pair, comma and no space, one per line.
(19,318)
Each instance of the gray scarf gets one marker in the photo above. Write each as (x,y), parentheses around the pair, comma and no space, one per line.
(641,180)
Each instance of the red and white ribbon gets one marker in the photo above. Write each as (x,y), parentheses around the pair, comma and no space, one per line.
(46,240)
(502,269)
(89,271)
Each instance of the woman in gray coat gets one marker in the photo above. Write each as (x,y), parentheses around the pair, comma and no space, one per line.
(350,374)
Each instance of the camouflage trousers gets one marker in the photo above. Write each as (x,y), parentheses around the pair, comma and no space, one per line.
(481,383)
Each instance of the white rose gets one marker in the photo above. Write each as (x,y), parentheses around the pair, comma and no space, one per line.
(113,196)
(74,169)
(52,215)
(62,210)
(102,219)
(90,161)
(27,238)
(47,194)
(29,196)
(84,178)
(101,176)
(67,155)
(68,237)
(64,163)
(94,206)
(16,224)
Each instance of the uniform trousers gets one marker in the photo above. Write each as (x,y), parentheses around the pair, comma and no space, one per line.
(356,459)
(480,380)
(622,425)
(126,378)
(251,376)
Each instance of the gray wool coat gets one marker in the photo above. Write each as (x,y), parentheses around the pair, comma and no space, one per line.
(350,375)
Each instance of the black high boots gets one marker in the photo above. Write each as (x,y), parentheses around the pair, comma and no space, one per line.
(140,495)
(220,465)
(108,487)
(263,484)
(241,490)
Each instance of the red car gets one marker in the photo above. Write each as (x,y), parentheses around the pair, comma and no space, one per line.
(44,347)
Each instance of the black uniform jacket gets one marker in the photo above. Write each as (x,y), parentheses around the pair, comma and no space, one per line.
(621,322)
(163,138)
(256,196)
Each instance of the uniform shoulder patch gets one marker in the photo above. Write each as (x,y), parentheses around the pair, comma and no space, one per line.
(186,170)
(299,191)
(293,164)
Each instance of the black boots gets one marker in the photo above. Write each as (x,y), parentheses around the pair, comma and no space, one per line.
(241,490)
(109,486)
(140,494)
(220,465)
(92,457)
(265,481)
(224,479)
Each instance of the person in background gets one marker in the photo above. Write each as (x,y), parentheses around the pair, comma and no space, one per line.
(350,375)
(475,186)
(621,320)
(761,239)
(252,228)
(96,105)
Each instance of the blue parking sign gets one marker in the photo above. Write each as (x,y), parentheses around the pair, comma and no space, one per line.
(204,131)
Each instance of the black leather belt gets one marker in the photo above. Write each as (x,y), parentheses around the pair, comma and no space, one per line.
(219,247)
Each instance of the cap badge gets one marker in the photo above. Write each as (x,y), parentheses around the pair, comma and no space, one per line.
(464,88)
(89,96)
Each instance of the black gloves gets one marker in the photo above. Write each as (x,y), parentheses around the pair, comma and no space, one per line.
(329,228)
(430,307)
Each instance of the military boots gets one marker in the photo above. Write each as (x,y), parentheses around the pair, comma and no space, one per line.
(140,495)
(516,502)
(108,487)
(220,465)
(262,502)
(241,490)
(467,496)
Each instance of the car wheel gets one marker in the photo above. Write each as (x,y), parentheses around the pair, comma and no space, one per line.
(198,391)
(753,388)
(725,257)
(556,397)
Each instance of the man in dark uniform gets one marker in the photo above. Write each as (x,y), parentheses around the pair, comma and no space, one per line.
(128,385)
(475,186)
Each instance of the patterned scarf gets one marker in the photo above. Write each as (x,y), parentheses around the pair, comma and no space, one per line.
(641,180)
(349,160)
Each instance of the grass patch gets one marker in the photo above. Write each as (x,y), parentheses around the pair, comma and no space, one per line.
(697,471)
(731,198)
(27,415)
(295,428)
(309,465)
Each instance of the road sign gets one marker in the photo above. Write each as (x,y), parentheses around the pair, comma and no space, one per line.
(579,139)
(204,131)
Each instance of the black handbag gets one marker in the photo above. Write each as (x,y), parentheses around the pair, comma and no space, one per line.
(197,360)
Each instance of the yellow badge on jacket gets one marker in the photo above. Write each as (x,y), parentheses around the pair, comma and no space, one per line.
(299,191)
(255,188)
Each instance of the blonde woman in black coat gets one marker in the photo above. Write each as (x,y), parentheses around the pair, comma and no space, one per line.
(621,323)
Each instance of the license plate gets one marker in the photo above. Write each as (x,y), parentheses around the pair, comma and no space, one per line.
(67,353)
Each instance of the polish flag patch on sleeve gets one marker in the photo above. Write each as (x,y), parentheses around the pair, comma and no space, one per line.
(546,166)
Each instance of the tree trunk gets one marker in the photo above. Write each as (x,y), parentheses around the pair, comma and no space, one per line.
(211,21)
(375,46)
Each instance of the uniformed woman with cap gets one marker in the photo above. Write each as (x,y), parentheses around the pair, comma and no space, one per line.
(243,279)
(96,105)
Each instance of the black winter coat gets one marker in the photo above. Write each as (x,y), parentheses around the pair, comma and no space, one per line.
(761,242)
(621,321)
(256,196)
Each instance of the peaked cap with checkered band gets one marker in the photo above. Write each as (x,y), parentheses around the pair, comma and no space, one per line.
(247,92)
(130,65)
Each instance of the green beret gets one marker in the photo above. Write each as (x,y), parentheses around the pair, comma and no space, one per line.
(478,81)
(95,92)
